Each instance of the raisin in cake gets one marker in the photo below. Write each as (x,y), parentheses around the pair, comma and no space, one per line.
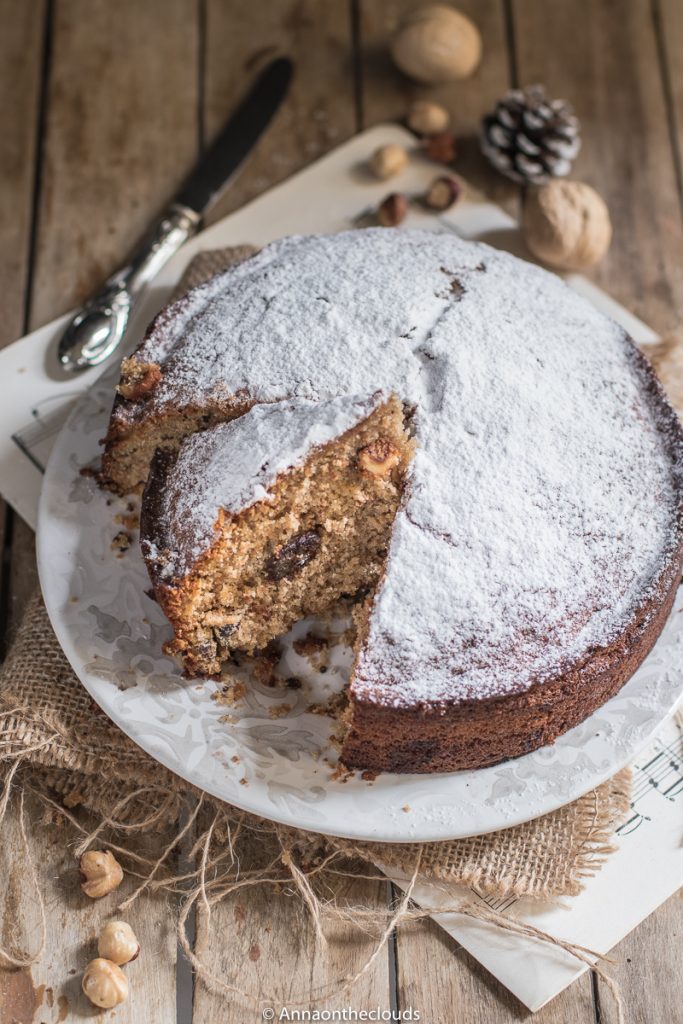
(520,556)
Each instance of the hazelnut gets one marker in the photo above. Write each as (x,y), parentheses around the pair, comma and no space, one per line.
(379,458)
(104,983)
(427,118)
(442,193)
(440,147)
(392,210)
(388,161)
(101,873)
(437,44)
(567,225)
(138,379)
(118,943)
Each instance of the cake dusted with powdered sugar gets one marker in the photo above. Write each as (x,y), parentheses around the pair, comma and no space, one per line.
(516,534)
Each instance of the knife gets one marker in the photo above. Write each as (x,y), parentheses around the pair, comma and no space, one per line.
(97,329)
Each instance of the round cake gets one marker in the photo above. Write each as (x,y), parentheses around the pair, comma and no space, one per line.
(447,431)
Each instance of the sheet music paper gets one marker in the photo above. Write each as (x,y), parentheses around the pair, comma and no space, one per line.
(645,869)
(328,197)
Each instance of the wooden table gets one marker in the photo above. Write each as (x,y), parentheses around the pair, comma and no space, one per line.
(105,107)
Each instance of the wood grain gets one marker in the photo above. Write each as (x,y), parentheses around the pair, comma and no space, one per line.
(269,949)
(648,969)
(120,134)
(318,113)
(21,44)
(21,60)
(51,988)
(669,28)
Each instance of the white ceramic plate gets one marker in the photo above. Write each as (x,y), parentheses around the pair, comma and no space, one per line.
(272,764)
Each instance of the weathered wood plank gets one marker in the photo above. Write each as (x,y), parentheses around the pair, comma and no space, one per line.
(21,51)
(669,28)
(51,988)
(318,113)
(269,949)
(648,969)
(668,358)
(21,44)
(444,983)
(121,132)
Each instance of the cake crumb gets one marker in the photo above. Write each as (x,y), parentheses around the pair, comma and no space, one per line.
(265,663)
(121,541)
(341,773)
(231,693)
(314,649)
(280,711)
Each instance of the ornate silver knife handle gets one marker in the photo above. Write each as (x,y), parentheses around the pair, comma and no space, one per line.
(97,328)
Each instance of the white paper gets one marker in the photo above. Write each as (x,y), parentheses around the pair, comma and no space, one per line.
(329,196)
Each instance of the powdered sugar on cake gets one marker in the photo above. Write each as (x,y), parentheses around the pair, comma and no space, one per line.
(544,495)
(233,465)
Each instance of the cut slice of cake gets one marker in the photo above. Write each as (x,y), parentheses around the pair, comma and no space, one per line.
(257,522)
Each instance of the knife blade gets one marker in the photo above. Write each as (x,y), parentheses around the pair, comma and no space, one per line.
(98,328)
(206,183)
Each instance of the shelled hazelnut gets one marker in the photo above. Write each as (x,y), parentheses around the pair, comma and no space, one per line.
(118,943)
(392,210)
(427,118)
(379,458)
(442,193)
(388,161)
(104,983)
(440,147)
(101,873)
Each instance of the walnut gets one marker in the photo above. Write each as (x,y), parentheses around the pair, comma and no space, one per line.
(379,458)
(392,210)
(437,44)
(118,943)
(567,225)
(104,983)
(388,161)
(138,379)
(101,873)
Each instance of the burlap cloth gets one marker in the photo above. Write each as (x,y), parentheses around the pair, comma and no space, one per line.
(56,742)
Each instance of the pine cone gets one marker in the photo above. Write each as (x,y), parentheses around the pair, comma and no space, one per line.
(530,138)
